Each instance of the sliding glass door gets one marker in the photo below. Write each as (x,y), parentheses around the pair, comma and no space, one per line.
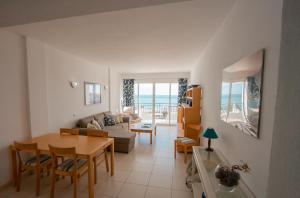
(144,101)
(162,103)
(157,102)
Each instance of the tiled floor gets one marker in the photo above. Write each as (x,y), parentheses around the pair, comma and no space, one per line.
(149,171)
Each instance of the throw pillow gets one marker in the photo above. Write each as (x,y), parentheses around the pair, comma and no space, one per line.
(91,126)
(101,125)
(96,124)
(116,119)
(121,119)
(109,120)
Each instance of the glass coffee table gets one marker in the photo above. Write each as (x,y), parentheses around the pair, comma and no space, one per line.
(144,128)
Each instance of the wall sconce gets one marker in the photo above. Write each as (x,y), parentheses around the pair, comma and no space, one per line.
(105,87)
(74,84)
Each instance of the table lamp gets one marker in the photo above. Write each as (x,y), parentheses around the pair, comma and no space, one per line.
(210,133)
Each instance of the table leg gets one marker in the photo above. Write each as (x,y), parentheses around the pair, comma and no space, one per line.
(151,137)
(112,158)
(14,165)
(155,130)
(91,176)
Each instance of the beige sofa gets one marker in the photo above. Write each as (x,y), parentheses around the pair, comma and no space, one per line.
(124,140)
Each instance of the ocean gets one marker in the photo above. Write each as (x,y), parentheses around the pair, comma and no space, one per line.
(159,99)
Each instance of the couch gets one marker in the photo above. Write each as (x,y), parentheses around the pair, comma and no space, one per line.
(123,139)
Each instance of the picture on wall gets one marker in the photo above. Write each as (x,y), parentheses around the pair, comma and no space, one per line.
(241,93)
(92,93)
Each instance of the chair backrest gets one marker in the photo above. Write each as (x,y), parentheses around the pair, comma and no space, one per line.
(194,133)
(57,152)
(96,133)
(65,131)
(62,152)
(26,148)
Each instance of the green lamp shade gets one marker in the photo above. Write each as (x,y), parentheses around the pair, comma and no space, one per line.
(210,133)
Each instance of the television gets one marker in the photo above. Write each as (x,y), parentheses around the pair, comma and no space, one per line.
(242,93)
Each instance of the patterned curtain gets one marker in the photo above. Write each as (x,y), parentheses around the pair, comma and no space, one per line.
(128,92)
(182,87)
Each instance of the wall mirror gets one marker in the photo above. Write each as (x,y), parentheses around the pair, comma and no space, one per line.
(241,93)
(92,93)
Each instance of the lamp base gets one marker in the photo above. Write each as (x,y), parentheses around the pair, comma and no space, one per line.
(209,149)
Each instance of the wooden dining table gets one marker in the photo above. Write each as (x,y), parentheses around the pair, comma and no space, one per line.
(87,148)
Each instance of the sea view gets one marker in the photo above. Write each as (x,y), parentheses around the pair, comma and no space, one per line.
(159,99)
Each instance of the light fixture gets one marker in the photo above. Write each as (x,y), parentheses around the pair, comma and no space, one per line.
(210,133)
(74,84)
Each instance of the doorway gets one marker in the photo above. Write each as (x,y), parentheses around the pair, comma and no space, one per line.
(156,102)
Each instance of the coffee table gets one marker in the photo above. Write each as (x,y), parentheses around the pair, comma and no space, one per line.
(143,128)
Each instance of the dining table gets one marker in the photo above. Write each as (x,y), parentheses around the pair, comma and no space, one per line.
(87,147)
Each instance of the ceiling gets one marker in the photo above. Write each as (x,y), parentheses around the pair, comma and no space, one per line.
(16,12)
(161,38)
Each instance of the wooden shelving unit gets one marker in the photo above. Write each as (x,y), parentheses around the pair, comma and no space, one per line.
(189,115)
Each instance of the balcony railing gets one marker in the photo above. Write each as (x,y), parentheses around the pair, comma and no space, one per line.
(162,110)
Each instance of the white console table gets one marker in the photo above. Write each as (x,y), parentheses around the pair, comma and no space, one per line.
(206,162)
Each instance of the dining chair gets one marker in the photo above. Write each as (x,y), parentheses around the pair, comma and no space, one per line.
(72,166)
(65,131)
(37,163)
(99,157)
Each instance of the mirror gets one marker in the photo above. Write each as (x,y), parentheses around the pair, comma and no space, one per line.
(92,93)
(241,93)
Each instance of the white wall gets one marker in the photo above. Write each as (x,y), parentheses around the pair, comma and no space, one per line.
(115,91)
(66,104)
(14,117)
(53,102)
(250,26)
(37,86)
(155,77)
(284,180)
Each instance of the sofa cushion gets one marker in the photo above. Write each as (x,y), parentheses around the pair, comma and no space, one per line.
(82,123)
(107,113)
(109,120)
(120,133)
(100,118)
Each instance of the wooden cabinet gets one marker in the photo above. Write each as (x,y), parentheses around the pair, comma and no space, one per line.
(189,115)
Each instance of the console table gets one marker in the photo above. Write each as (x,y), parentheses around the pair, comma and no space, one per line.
(205,163)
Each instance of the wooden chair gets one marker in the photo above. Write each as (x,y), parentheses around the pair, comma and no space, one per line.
(72,166)
(37,163)
(99,158)
(185,143)
(65,131)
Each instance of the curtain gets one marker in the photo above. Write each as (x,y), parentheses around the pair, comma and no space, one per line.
(128,92)
(182,87)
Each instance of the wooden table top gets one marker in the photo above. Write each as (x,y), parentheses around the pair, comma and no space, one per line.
(85,145)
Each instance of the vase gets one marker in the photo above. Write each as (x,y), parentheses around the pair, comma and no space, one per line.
(223,188)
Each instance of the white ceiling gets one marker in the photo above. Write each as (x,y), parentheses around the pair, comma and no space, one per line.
(16,12)
(162,38)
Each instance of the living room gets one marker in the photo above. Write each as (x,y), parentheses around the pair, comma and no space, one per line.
(51,51)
